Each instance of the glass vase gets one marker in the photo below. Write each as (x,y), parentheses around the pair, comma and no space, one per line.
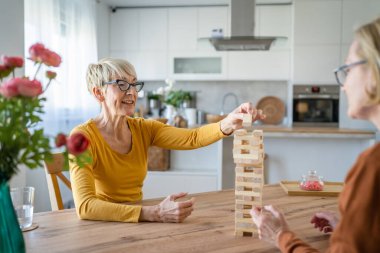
(11,239)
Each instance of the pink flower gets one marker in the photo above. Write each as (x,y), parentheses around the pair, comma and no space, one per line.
(60,140)
(36,52)
(77,143)
(51,74)
(51,59)
(13,62)
(30,88)
(4,71)
(10,88)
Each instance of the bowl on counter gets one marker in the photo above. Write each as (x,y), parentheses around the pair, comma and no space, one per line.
(213,118)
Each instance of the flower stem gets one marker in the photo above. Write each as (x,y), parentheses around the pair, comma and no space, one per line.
(38,69)
(47,86)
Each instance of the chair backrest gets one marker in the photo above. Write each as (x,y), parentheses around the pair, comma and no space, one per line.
(53,171)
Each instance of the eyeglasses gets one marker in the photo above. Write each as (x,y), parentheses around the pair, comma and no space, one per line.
(342,72)
(125,86)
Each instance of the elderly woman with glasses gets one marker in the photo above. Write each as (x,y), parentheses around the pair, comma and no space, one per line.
(358,228)
(119,146)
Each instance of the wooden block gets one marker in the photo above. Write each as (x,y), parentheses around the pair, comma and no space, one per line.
(240,132)
(248,193)
(247,120)
(255,202)
(258,132)
(249,184)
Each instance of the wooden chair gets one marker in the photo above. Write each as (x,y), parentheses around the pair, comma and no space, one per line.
(53,171)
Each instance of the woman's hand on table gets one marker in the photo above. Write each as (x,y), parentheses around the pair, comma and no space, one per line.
(168,210)
(325,221)
(234,120)
(270,223)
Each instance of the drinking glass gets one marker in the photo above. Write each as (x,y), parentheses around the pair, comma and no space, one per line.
(23,200)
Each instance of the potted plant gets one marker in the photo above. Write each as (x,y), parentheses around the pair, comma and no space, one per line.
(177,98)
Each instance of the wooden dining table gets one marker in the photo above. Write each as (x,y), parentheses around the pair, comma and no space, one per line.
(210,228)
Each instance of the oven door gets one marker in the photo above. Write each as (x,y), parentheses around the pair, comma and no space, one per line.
(316,112)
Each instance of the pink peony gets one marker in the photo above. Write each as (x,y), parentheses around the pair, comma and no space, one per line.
(10,88)
(77,143)
(51,59)
(36,52)
(13,62)
(30,88)
(60,140)
(50,74)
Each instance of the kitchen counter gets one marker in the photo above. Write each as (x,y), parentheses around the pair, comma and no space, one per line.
(318,132)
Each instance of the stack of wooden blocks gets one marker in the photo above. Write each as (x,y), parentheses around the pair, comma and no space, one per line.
(248,153)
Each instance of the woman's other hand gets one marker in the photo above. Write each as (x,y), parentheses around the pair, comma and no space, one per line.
(325,221)
(270,223)
(168,210)
(234,120)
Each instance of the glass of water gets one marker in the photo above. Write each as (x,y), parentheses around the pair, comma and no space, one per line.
(23,198)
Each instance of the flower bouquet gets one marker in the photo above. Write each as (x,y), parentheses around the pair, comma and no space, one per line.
(22,140)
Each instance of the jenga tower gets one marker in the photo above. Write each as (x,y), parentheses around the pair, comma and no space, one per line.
(248,153)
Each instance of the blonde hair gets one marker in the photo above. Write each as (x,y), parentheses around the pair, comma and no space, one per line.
(108,69)
(368,38)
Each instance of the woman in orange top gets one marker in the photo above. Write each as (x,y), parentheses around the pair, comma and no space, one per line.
(358,229)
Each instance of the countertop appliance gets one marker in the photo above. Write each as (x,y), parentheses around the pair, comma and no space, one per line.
(316,105)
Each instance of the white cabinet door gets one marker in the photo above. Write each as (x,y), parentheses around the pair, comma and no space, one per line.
(314,64)
(153,29)
(356,13)
(260,65)
(210,18)
(317,22)
(162,184)
(124,30)
(183,28)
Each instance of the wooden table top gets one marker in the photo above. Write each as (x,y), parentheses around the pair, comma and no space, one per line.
(210,228)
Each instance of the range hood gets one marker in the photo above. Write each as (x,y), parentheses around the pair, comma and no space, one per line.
(242,16)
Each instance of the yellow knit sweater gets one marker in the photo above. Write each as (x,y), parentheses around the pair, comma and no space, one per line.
(112,178)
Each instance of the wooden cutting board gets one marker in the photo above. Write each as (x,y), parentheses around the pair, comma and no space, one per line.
(273,108)
(330,189)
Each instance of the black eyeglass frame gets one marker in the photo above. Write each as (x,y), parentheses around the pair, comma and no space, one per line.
(134,85)
(344,69)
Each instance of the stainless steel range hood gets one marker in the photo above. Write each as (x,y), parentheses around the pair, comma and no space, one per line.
(242,16)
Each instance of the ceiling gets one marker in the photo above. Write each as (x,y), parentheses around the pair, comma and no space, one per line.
(144,3)
(129,3)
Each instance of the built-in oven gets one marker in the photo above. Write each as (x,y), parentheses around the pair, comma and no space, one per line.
(316,105)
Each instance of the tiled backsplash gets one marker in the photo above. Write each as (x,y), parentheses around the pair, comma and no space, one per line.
(210,93)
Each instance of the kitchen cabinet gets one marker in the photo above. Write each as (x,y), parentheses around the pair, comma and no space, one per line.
(196,65)
(356,13)
(182,29)
(317,38)
(259,65)
(191,171)
(140,36)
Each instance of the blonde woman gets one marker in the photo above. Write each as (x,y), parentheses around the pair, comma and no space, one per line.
(119,146)
(358,229)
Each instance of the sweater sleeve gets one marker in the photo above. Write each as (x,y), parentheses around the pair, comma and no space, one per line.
(288,242)
(169,137)
(91,207)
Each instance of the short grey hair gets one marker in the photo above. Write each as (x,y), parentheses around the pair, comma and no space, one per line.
(106,70)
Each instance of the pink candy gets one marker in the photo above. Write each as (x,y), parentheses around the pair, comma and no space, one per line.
(311,186)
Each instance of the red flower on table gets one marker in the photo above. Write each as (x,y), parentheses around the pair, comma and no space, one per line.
(77,143)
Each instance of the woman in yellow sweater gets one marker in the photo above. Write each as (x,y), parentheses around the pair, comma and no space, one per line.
(358,229)
(119,146)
